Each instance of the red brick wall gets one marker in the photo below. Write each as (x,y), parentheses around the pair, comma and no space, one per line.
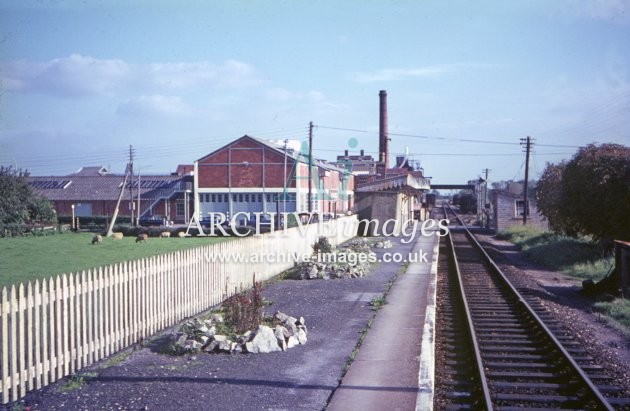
(248,159)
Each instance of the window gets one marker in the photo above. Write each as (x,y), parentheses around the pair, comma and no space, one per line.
(219,198)
(226,198)
(269,198)
(179,208)
(240,198)
(201,198)
(208,198)
(519,207)
(234,197)
(260,198)
(214,198)
(247,198)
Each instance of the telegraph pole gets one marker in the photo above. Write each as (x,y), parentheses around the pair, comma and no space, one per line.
(527,142)
(131,203)
(120,196)
(284,196)
(310,167)
(485,195)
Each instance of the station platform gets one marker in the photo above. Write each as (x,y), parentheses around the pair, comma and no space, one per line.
(394,367)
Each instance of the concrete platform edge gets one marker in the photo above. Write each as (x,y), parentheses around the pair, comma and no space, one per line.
(426,373)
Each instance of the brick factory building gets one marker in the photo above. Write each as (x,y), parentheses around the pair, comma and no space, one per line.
(254,175)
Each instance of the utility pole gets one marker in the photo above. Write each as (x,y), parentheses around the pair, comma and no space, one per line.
(120,196)
(310,167)
(138,213)
(131,202)
(527,142)
(284,196)
(485,196)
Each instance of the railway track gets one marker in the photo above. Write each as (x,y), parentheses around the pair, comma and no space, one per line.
(497,348)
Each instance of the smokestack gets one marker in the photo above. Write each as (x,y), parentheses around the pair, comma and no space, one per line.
(382,130)
(362,153)
(346,153)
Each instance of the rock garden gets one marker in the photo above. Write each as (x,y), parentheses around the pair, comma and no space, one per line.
(239,325)
(352,260)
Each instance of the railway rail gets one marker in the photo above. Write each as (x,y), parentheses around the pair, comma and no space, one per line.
(497,347)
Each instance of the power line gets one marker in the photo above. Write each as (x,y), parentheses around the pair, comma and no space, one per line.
(423,136)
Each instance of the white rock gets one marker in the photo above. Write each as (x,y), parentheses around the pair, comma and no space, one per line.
(281,340)
(292,341)
(264,341)
(301,336)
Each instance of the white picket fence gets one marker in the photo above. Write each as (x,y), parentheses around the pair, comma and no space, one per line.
(53,328)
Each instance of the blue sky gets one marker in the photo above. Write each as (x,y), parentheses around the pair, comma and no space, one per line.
(82,80)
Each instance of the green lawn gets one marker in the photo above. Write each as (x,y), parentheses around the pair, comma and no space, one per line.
(27,258)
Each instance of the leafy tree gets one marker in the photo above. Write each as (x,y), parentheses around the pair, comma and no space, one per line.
(590,194)
(549,197)
(597,191)
(40,209)
(18,203)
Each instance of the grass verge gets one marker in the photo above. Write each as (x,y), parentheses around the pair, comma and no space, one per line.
(26,258)
(577,257)
(617,312)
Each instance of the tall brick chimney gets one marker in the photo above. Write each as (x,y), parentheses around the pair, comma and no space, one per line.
(383,151)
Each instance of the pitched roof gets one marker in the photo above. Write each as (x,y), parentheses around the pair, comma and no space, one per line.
(395,183)
(91,171)
(77,187)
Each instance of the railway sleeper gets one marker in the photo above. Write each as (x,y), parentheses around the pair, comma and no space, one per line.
(517,365)
(525,377)
(565,400)
(623,403)
(502,348)
(499,385)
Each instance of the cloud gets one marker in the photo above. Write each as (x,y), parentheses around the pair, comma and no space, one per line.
(230,74)
(610,11)
(312,98)
(83,76)
(144,106)
(74,76)
(395,74)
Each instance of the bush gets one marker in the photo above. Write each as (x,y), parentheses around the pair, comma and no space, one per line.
(131,231)
(96,220)
(322,246)
(244,310)
(25,230)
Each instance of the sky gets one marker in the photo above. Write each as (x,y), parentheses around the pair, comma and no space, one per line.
(81,81)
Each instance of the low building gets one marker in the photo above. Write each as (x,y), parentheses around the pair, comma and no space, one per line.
(398,197)
(253,175)
(94,192)
(508,209)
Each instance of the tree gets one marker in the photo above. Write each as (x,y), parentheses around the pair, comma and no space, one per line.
(590,194)
(549,197)
(18,203)
(597,191)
